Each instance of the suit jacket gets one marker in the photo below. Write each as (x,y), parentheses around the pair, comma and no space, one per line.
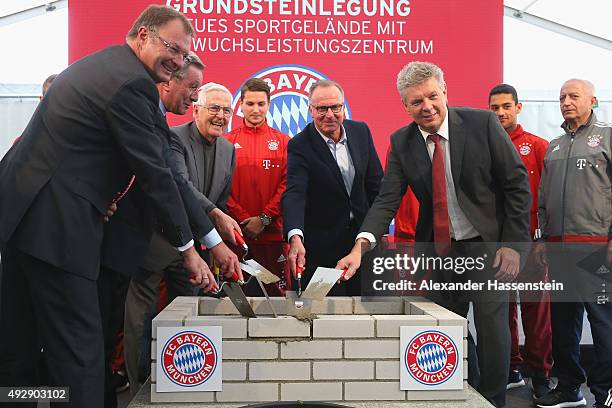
(187,158)
(85,140)
(490,179)
(130,232)
(190,157)
(316,200)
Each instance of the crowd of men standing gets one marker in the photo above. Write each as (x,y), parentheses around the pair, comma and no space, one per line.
(102,200)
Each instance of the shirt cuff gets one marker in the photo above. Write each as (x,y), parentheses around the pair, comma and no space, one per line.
(369,236)
(186,246)
(295,231)
(211,239)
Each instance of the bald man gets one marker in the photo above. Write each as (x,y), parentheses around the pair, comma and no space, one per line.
(575,209)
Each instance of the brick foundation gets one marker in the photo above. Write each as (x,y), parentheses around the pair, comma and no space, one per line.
(349,351)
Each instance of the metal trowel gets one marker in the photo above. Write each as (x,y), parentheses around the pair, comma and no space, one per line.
(321,283)
(234,292)
(301,307)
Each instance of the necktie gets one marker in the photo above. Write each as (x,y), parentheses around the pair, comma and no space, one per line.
(441,228)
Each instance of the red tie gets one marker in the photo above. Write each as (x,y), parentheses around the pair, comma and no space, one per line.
(441,228)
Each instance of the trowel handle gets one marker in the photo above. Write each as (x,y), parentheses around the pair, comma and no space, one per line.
(235,278)
(298,271)
(240,240)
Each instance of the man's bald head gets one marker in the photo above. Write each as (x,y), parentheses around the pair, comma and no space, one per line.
(576,101)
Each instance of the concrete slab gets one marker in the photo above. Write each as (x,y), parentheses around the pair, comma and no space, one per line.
(474,400)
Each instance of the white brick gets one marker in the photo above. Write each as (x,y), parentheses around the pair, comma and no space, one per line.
(465,368)
(437,395)
(153,373)
(422,306)
(234,371)
(261,307)
(233,327)
(250,350)
(389,325)
(373,391)
(197,396)
(448,318)
(330,305)
(248,392)
(283,326)
(331,326)
(388,370)
(383,305)
(371,349)
(465,348)
(279,370)
(153,350)
(214,306)
(343,370)
(311,391)
(184,302)
(313,349)
(167,319)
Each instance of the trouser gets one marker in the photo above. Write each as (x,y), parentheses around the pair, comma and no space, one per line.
(488,361)
(45,306)
(567,318)
(112,290)
(140,307)
(535,316)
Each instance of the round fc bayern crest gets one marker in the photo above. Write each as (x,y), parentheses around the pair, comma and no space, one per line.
(431,357)
(525,149)
(289,85)
(593,140)
(189,358)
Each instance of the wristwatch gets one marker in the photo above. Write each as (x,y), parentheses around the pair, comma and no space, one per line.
(265,219)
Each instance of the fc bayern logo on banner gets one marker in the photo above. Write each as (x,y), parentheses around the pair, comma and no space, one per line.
(289,86)
(189,360)
(431,358)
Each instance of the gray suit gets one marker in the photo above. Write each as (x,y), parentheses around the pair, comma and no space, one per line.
(162,258)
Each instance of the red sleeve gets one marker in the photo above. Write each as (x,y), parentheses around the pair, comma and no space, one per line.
(542,146)
(236,211)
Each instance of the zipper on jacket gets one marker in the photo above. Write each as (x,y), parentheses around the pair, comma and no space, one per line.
(569,152)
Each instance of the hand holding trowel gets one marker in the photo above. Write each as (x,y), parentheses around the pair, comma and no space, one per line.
(256,270)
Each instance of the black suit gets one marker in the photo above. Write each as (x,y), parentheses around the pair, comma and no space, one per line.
(128,240)
(89,134)
(493,192)
(316,200)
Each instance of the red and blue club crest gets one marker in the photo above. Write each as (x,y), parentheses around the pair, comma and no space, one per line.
(189,358)
(431,357)
(288,97)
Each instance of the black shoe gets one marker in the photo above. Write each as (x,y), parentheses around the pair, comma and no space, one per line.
(121,381)
(561,397)
(541,386)
(515,379)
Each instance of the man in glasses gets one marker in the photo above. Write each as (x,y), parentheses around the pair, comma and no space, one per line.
(333,176)
(90,134)
(206,158)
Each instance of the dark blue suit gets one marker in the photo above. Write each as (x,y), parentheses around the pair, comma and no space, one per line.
(316,200)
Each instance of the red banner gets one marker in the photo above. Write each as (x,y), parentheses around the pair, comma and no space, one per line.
(362,44)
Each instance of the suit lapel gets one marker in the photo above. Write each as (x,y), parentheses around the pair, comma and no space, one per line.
(323,151)
(457,138)
(196,153)
(218,173)
(418,149)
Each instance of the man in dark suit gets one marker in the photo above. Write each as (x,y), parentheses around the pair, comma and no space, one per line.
(333,176)
(94,129)
(472,187)
(207,161)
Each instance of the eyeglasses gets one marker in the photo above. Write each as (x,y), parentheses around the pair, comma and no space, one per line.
(322,110)
(214,109)
(174,49)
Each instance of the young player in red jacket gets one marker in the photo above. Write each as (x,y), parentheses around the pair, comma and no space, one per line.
(258,183)
(535,306)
